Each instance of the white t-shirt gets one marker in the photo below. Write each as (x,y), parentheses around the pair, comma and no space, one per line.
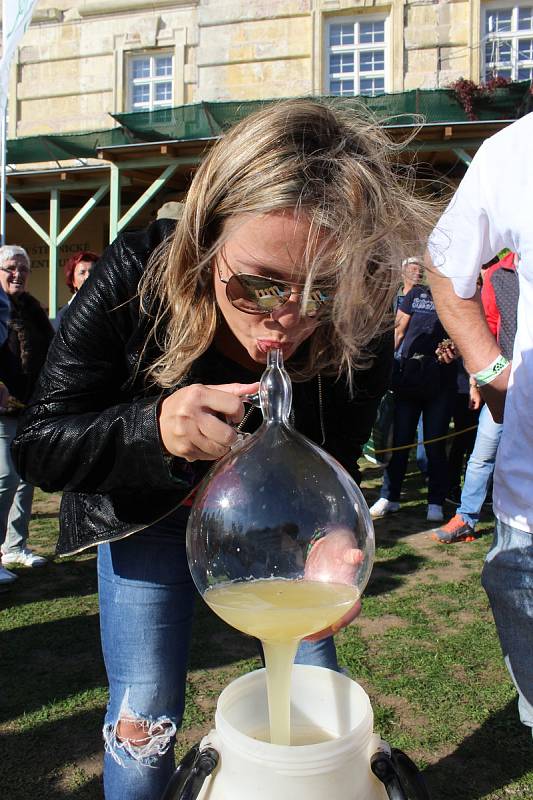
(493,209)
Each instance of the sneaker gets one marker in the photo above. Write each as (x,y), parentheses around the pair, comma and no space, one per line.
(382,507)
(6,578)
(434,513)
(456,530)
(25,557)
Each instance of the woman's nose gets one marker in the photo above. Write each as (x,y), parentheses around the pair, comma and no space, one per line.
(289,314)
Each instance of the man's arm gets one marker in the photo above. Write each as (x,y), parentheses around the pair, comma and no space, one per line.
(465,322)
(400,327)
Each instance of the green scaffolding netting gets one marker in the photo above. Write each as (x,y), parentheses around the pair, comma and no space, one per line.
(210,119)
(62,147)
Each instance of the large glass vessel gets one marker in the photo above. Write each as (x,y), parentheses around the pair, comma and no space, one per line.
(278,507)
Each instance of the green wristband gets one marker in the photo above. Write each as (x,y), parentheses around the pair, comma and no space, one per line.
(490,373)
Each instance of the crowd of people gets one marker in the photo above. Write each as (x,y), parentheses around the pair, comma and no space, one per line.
(431,389)
(25,336)
(145,379)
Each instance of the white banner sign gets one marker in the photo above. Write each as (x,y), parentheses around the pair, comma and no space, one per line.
(16,16)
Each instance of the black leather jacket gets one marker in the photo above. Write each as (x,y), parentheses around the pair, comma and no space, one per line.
(91,429)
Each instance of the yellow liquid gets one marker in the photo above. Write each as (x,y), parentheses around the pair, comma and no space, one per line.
(280,613)
(299,738)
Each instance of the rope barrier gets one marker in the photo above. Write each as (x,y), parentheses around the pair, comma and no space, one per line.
(425,441)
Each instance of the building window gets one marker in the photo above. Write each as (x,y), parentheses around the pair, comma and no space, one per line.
(150,82)
(508,42)
(356,55)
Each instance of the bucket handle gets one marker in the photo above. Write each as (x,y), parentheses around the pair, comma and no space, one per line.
(400,776)
(189,777)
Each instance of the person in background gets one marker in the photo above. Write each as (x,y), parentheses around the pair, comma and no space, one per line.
(465,417)
(499,296)
(77,269)
(493,209)
(6,576)
(21,358)
(4,321)
(412,274)
(422,386)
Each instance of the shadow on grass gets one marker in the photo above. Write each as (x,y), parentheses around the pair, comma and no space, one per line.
(226,645)
(49,662)
(54,581)
(391,574)
(45,515)
(67,743)
(497,754)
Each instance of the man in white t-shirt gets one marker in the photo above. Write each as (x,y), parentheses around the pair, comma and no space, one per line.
(493,209)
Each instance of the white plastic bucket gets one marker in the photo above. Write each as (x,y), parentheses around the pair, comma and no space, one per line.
(322,701)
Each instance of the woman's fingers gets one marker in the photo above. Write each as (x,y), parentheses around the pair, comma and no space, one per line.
(190,421)
(226,399)
(217,431)
(353,557)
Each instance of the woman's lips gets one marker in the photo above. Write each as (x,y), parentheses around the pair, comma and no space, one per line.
(264,345)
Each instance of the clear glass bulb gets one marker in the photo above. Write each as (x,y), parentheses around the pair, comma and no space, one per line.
(279,507)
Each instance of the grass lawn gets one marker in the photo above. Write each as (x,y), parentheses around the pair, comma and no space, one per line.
(425,650)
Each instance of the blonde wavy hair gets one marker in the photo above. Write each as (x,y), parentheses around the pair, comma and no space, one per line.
(340,170)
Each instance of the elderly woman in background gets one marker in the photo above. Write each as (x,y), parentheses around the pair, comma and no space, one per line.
(22,356)
(77,270)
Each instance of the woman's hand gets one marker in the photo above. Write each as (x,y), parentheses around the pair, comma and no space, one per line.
(192,421)
(335,558)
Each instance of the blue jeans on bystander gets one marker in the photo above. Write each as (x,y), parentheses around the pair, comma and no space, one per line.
(480,468)
(508,580)
(16,496)
(436,413)
(146,608)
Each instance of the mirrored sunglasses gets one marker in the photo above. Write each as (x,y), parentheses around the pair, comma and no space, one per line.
(255,294)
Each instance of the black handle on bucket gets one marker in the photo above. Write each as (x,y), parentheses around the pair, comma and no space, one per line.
(191,773)
(399,775)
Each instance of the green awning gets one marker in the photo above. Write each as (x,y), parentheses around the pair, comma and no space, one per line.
(207,120)
(62,147)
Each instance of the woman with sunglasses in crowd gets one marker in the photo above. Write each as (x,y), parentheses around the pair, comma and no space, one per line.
(291,237)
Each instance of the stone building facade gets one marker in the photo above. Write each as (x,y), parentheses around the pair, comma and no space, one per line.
(81,59)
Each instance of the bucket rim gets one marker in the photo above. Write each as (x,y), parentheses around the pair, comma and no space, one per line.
(281,757)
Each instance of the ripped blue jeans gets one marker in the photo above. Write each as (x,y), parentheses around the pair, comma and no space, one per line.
(146,607)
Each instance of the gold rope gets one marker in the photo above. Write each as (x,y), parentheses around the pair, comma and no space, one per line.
(426,441)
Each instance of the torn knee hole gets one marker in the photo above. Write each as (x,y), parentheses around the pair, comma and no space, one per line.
(144,741)
(139,732)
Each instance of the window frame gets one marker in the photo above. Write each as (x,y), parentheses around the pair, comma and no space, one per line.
(514,36)
(356,49)
(152,80)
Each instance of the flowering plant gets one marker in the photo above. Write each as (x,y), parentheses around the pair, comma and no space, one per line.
(468,92)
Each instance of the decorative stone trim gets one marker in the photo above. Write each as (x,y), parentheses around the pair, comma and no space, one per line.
(96,8)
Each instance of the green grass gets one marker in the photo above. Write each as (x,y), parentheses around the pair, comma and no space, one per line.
(425,650)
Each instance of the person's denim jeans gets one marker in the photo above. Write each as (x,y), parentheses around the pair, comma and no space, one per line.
(436,414)
(480,468)
(421,456)
(146,608)
(16,496)
(462,444)
(508,580)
